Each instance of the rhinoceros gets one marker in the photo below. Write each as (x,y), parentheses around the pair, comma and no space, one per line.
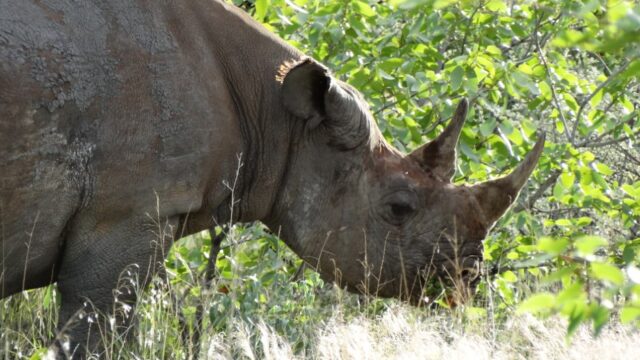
(126,124)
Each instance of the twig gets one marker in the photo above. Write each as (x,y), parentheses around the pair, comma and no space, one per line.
(499,268)
(238,243)
(466,32)
(628,154)
(584,102)
(515,43)
(551,86)
(209,275)
(575,210)
(607,70)
(299,273)
(586,144)
(551,180)
(395,102)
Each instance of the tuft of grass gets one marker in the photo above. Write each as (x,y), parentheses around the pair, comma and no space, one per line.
(27,321)
(402,333)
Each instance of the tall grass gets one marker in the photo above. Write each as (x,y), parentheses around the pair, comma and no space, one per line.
(397,332)
(254,310)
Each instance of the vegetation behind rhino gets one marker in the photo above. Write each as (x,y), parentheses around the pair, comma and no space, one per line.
(122,125)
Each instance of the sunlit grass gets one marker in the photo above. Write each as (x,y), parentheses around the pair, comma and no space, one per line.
(258,307)
(255,310)
(397,332)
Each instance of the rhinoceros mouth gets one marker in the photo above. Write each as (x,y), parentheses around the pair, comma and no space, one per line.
(448,280)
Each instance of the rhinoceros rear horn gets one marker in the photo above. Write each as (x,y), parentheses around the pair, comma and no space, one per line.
(439,155)
(496,196)
(311,93)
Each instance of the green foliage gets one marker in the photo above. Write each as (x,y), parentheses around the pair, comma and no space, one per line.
(258,280)
(569,68)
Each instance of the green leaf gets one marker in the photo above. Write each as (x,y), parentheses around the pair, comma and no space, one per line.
(261,7)
(600,316)
(629,314)
(560,274)
(602,169)
(538,303)
(456,78)
(558,191)
(553,246)
(487,127)
(607,272)
(570,101)
(441,4)
(39,354)
(493,50)
(392,64)
(545,90)
(588,244)
(567,178)
(632,70)
(587,156)
(468,152)
(560,127)
(631,190)
(363,8)
(583,221)
(595,100)
(577,314)
(509,276)
(571,294)
(496,5)
(564,222)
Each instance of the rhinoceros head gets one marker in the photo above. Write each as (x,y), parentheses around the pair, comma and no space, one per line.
(369,217)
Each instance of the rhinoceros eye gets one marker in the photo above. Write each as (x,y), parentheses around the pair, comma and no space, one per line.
(401,210)
(400,207)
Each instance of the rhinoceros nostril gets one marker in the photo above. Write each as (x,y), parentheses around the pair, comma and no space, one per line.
(470,267)
(470,273)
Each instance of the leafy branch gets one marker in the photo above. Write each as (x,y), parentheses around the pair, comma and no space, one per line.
(600,87)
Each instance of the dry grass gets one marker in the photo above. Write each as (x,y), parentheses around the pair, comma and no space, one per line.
(400,335)
(397,332)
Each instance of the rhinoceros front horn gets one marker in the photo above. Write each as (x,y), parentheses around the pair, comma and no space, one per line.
(311,93)
(439,155)
(496,196)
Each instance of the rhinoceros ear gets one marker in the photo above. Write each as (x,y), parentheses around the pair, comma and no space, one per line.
(496,196)
(304,86)
(311,93)
(439,155)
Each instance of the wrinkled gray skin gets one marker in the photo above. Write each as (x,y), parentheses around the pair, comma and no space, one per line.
(121,128)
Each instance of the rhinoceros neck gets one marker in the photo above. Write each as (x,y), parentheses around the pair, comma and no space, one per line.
(250,57)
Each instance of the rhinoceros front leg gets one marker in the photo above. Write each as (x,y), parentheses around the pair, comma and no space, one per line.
(105,264)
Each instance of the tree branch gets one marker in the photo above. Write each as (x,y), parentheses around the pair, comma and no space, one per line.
(395,102)
(551,180)
(466,32)
(554,95)
(628,155)
(607,70)
(600,87)
(587,144)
